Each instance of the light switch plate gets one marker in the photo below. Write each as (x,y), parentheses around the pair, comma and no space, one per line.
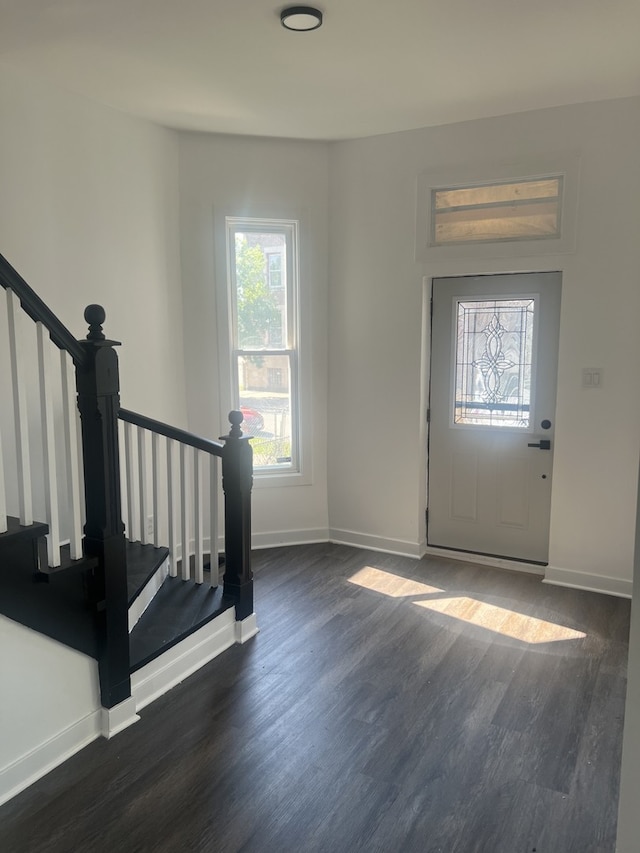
(592,377)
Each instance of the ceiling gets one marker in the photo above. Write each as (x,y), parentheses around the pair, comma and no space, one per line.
(228,66)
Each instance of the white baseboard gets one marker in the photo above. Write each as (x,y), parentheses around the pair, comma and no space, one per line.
(114,720)
(289,537)
(375,543)
(589,582)
(549,574)
(182,660)
(246,629)
(146,594)
(46,756)
(484,560)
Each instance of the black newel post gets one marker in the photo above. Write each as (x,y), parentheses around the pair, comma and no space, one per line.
(99,402)
(237,480)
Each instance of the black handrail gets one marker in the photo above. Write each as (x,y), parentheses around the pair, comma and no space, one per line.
(39,311)
(215,448)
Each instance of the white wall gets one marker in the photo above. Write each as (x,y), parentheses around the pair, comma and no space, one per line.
(89,213)
(41,723)
(376,378)
(225,175)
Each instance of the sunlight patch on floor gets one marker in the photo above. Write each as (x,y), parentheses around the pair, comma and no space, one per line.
(509,623)
(389,584)
(528,629)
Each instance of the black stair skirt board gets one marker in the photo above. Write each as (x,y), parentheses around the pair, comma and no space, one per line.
(143,561)
(178,609)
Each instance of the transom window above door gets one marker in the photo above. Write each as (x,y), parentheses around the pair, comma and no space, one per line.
(498,210)
(518,210)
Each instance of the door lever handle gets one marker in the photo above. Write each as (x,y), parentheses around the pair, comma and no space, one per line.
(543,444)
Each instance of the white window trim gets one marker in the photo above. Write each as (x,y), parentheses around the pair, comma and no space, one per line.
(265,477)
(564,164)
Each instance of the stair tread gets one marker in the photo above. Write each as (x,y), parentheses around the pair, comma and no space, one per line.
(178,609)
(16,531)
(66,563)
(56,609)
(143,561)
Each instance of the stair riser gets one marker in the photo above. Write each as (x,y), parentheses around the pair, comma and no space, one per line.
(147,593)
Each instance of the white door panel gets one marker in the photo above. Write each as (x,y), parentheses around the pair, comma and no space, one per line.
(493,390)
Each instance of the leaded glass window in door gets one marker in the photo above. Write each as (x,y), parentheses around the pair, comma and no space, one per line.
(494,362)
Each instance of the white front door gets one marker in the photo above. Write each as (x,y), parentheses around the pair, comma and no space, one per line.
(494,353)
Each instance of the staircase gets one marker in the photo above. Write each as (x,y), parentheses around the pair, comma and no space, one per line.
(109,520)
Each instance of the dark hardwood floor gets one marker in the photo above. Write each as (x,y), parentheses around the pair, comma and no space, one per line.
(387,705)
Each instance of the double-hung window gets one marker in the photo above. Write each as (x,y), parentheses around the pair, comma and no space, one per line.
(262,257)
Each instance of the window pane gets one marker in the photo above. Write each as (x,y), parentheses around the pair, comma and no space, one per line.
(494,357)
(497,192)
(275,269)
(265,400)
(260,289)
(263,264)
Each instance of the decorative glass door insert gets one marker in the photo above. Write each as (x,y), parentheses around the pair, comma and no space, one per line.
(494,363)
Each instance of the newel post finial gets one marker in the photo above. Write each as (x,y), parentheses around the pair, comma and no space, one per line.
(95,315)
(235,419)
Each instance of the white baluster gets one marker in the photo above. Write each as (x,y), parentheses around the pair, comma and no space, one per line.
(131,484)
(171,515)
(142,483)
(3,496)
(123,474)
(20,412)
(69,410)
(213,523)
(80,461)
(155,479)
(198,532)
(48,448)
(185,518)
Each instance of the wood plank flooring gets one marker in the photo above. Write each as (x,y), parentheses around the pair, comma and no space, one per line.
(387,705)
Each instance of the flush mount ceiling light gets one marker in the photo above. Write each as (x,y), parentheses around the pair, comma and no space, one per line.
(301,18)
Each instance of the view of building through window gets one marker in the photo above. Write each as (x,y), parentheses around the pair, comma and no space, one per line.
(262,280)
